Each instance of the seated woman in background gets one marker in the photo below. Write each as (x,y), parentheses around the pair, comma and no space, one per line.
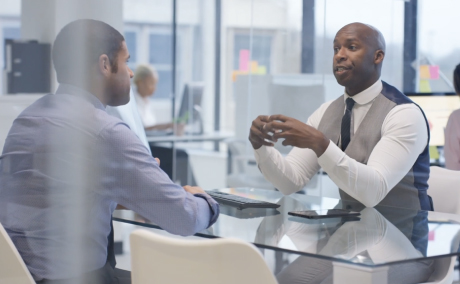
(146,80)
(452,132)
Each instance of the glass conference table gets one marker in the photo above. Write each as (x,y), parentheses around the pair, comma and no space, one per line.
(364,249)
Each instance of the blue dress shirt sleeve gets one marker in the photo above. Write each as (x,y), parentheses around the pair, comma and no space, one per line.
(136,181)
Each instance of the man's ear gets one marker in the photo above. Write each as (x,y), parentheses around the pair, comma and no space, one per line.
(104,65)
(378,57)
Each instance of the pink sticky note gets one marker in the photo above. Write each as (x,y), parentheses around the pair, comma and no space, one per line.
(431,235)
(434,72)
(244,60)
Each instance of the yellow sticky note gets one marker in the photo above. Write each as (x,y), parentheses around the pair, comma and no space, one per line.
(262,70)
(425,86)
(425,72)
(235,73)
(434,153)
(254,66)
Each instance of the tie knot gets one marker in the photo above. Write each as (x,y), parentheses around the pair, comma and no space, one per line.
(350,103)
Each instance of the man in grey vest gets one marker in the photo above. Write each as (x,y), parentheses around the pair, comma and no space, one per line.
(372,141)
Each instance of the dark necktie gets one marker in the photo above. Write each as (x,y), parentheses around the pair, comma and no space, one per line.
(346,124)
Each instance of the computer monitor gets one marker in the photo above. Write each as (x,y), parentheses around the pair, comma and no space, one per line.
(190,106)
(437,108)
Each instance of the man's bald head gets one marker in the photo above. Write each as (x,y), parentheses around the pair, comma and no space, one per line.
(369,34)
(359,50)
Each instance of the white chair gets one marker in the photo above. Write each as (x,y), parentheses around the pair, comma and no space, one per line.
(444,189)
(160,259)
(443,271)
(12,267)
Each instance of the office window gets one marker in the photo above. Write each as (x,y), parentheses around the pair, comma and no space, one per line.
(131,42)
(161,57)
(164,87)
(389,19)
(161,50)
(11,33)
(438,45)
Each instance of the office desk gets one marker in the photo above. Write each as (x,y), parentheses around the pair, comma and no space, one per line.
(215,137)
(361,250)
(212,136)
(190,156)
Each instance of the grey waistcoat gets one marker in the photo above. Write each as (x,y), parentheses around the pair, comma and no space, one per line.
(410,192)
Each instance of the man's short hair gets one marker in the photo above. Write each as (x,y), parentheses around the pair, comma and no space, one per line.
(79,45)
(457,79)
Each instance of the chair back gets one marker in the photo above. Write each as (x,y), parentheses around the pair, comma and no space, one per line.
(12,267)
(160,259)
(444,267)
(444,188)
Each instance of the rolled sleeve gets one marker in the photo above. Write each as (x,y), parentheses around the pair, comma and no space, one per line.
(214,210)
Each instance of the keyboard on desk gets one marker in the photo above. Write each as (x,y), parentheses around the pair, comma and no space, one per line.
(240,202)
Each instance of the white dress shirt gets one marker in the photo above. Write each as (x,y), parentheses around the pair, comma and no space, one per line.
(145,111)
(130,115)
(404,137)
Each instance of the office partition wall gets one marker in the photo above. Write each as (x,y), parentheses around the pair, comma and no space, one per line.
(222,63)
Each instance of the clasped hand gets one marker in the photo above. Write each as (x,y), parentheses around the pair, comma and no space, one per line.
(266,130)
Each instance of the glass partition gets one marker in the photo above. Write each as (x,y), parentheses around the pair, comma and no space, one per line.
(438,49)
(204,70)
(278,59)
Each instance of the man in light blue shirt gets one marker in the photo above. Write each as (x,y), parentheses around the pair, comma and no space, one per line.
(67,164)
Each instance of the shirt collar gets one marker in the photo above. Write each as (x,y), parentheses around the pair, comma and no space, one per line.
(368,95)
(76,91)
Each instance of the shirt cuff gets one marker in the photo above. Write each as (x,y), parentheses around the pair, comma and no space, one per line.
(213,206)
(331,157)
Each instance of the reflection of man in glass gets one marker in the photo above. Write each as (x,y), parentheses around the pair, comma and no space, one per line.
(372,141)
(371,240)
(67,164)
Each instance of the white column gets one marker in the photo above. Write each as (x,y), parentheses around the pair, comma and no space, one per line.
(208,42)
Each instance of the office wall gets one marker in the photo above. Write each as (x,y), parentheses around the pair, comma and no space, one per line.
(273,26)
(160,11)
(42,20)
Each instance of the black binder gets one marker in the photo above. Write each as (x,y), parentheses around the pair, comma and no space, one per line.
(27,66)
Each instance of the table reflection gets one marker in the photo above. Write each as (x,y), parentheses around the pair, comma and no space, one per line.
(370,239)
(301,250)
